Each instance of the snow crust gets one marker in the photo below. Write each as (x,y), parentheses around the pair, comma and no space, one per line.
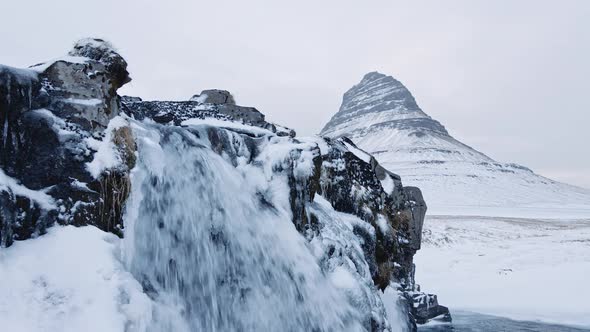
(213,122)
(39,196)
(85,102)
(23,75)
(388,184)
(39,68)
(200,99)
(199,218)
(69,280)
(106,155)
(359,153)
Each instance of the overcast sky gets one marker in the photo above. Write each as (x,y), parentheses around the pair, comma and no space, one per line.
(509,78)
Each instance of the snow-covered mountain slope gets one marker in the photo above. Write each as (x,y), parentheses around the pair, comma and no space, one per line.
(381,116)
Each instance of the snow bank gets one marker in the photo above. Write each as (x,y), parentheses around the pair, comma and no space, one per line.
(39,68)
(69,280)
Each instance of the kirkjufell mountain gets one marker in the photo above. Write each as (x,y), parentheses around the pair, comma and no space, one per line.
(381,116)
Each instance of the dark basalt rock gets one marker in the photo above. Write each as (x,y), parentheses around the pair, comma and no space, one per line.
(214,96)
(175,112)
(426,308)
(48,113)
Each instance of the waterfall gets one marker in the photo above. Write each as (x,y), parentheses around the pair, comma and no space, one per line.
(214,246)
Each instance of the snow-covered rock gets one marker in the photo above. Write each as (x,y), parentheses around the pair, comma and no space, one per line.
(381,116)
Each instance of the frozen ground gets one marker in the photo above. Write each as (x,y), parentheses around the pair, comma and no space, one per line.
(525,269)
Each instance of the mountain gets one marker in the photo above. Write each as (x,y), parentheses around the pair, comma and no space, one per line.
(118,214)
(381,116)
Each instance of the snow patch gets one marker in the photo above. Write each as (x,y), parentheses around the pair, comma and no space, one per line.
(106,155)
(388,184)
(200,99)
(358,152)
(225,124)
(39,196)
(39,68)
(384,225)
(84,102)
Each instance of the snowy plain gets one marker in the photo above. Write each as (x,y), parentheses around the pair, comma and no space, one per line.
(524,269)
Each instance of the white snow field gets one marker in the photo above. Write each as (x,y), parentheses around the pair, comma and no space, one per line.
(524,269)
(69,280)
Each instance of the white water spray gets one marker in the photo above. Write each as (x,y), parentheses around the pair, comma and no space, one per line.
(214,251)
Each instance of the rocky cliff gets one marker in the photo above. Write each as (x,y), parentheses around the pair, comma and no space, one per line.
(71,145)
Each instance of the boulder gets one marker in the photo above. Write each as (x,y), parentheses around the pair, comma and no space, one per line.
(418,208)
(214,96)
(426,308)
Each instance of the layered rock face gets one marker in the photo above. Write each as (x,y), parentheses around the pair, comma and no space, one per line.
(381,116)
(70,144)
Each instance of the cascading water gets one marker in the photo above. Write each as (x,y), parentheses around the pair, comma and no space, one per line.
(215,247)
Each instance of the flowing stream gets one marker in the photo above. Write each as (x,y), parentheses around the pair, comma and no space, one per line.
(214,244)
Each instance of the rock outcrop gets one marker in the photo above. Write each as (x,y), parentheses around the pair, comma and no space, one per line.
(51,115)
(68,148)
(214,96)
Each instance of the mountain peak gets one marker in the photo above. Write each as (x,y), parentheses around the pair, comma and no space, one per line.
(379,100)
(372,76)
